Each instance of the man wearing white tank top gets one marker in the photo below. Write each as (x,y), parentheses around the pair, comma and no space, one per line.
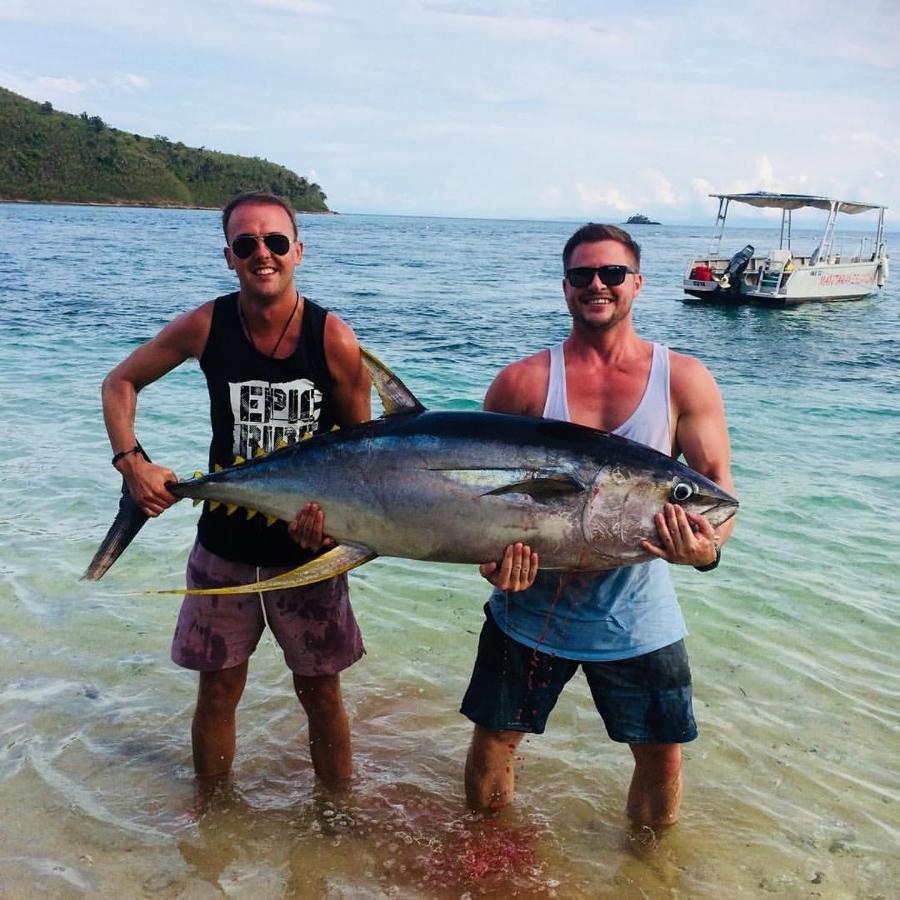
(624,627)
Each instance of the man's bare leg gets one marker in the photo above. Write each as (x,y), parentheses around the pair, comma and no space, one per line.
(329,728)
(490,779)
(654,797)
(213,731)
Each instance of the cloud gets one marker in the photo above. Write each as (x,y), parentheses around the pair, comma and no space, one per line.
(765,174)
(763,178)
(869,140)
(660,188)
(304,7)
(59,87)
(651,190)
(702,188)
(128,81)
(49,84)
(514,26)
(16,11)
(596,198)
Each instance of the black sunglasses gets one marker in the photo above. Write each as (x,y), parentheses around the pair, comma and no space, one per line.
(244,247)
(582,276)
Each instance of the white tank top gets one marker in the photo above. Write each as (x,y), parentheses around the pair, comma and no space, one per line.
(617,614)
(648,424)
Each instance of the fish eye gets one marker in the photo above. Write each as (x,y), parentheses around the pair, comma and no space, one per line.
(681,492)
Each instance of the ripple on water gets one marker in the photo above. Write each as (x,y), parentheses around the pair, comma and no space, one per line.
(792,786)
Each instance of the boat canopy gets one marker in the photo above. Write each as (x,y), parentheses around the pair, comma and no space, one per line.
(798,201)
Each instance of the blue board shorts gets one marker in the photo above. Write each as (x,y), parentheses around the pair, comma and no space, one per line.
(314,624)
(645,699)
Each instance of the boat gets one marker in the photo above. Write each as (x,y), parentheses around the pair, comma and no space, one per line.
(780,276)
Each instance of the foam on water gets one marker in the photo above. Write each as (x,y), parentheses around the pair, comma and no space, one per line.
(792,787)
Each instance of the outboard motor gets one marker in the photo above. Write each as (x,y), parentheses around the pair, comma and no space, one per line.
(881,273)
(735,271)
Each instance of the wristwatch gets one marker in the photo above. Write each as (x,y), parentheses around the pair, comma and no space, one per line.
(711,565)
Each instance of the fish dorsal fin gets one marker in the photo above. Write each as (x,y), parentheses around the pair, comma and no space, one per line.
(542,485)
(339,559)
(395,396)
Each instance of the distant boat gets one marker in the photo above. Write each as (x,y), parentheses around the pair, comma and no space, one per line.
(779,276)
(640,219)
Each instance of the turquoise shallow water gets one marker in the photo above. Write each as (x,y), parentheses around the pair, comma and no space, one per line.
(793,785)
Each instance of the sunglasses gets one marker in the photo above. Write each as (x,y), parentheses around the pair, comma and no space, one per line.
(582,276)
(244,246)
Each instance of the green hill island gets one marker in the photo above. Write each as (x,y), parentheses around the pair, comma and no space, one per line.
(639,219)
(55,157)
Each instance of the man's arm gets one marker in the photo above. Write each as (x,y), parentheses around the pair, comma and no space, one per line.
(520,388)
(352,389)
(351,395)
(179,340)
(701,437)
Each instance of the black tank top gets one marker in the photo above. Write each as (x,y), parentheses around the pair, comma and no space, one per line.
(255,401)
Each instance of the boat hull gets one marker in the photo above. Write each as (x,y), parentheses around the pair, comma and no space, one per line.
(802,284)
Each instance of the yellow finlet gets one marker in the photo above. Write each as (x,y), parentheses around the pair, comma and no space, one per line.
(230,508)
(335,427)
(271,520)
(251,513)
(214,504)
(306,435)
(258,452)
(197,501)
(238,460)
(198,474)
(281,443)
(217,468)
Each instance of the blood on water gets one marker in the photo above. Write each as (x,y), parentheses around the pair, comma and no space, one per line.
(490,855)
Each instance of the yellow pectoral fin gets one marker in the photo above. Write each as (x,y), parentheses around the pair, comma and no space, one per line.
(336,561)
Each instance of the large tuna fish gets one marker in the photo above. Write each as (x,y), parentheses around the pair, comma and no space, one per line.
(453,487)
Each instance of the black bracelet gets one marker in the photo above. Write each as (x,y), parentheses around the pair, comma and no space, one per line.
(710,566)
(137,448)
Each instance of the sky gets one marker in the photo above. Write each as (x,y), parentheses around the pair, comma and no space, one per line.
(551,109)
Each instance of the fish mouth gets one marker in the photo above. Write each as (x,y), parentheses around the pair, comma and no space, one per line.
(719,510)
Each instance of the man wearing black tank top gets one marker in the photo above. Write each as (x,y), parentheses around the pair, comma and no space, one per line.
(277,366)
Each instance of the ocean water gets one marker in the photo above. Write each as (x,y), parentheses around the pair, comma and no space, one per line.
(792,788)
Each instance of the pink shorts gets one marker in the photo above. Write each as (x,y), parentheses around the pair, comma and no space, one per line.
(314,625)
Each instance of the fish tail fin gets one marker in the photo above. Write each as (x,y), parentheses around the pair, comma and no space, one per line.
(128,522)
